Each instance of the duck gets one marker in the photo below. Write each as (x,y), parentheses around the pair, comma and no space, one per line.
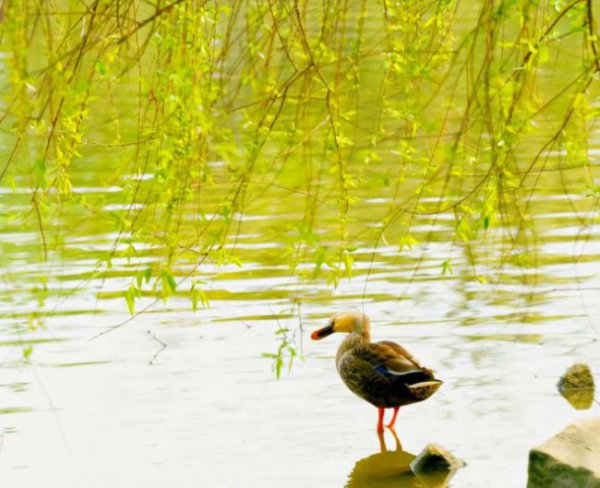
(383,373)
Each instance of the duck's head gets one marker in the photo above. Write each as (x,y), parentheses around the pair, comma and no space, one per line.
(347,322)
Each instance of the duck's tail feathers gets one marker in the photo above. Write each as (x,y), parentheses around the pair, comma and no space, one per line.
(408,377)
(424,389)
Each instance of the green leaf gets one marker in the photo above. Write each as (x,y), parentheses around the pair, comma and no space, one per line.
(278,365)
(27,351)
(143,276)
(293,354)
(168,282)
(130,299)
(194,300)
(39,173)
(198,298)
(407,241)
(100,68)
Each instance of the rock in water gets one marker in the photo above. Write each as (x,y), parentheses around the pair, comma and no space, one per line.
(571,459)
(434,466)
(577,386)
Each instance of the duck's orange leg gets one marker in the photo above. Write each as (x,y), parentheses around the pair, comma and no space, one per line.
(382,446)
(380,419)
(393,421)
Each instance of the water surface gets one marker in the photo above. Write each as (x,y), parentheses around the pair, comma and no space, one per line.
(177,398)
(208,410)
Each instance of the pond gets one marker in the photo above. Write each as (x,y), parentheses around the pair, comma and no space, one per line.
(219,385)
(207,409)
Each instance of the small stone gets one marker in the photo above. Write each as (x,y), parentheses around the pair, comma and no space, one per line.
(435,458)
(435,465)
(577,376)
(569,459)
(577,386)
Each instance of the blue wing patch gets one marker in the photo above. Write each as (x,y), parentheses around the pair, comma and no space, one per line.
(383,370)
(408,377)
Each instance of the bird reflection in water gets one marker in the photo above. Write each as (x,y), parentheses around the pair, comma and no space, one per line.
(391,469)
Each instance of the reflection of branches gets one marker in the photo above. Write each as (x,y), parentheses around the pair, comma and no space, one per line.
(163,346)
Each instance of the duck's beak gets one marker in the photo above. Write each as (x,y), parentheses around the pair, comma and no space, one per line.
(320,333)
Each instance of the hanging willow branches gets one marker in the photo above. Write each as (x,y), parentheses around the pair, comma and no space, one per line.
(203,112)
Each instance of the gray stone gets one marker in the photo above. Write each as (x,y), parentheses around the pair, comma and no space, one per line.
(570,459)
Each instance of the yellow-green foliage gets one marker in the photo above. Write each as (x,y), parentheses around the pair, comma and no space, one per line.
(206,112)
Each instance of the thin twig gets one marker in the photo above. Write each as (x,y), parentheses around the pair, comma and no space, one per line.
(163,346)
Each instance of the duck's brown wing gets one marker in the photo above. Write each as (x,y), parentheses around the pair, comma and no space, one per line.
(396,358)
(358,370)
(381,375)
